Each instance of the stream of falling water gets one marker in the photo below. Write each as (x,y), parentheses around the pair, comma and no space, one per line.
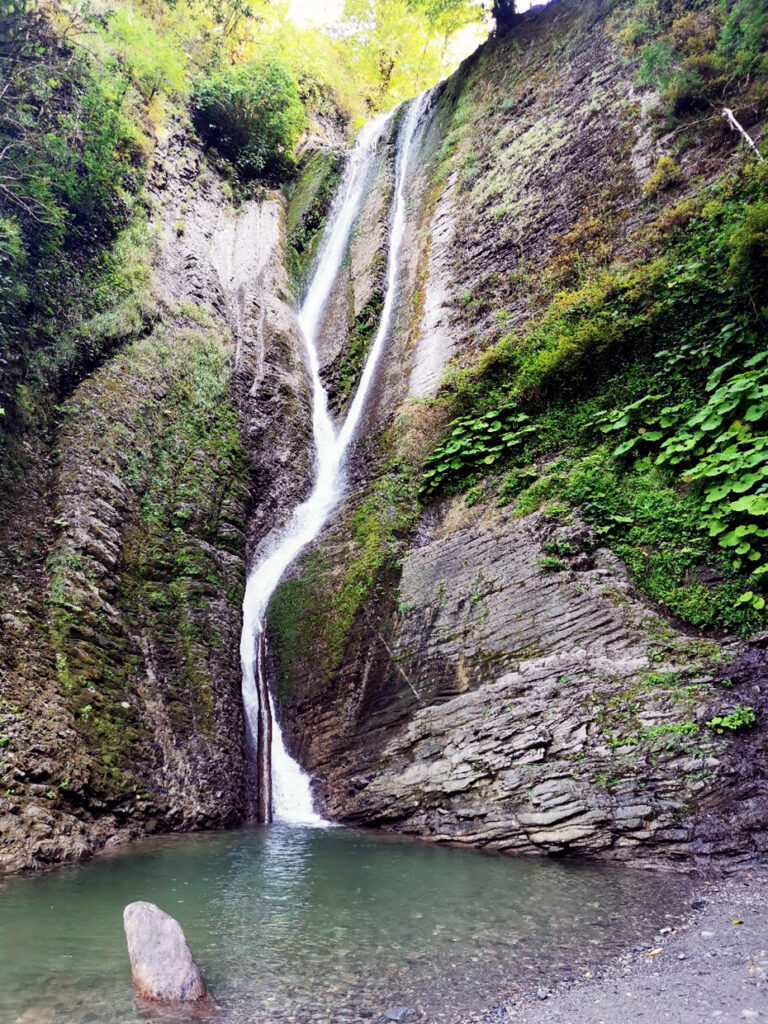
(284,789)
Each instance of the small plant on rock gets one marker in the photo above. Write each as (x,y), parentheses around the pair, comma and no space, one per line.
(739,718)
(667,173)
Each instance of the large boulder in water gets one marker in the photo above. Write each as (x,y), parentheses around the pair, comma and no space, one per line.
(162,965)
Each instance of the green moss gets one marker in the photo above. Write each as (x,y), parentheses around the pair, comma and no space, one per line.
(309,200)
(620,712)
(186,473)
(310,616)
(359,341)
(668,172)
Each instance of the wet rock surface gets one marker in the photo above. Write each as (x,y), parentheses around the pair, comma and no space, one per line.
(120,707)
(507,706)
(352,313)
(485,691)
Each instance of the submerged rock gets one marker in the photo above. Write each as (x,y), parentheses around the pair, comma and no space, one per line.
(36,1015)
(162,965)
(401,1013)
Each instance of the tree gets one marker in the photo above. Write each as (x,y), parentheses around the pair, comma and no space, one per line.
(68,170)
(451,15)
(504,15)
(252,115)
(448,16)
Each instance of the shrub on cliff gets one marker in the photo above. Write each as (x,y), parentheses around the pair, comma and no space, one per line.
(702,57)
(69,172)
(252,115)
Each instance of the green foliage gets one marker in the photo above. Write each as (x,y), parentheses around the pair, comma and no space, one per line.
(720,449)
(744,36)
(252,115)
(699,55)
(653,732)
(740,718)
(514,482)
(748,244)
(67,147)
(13,287)
(393,47)
(448,16)
(68,178)
(549,564)
(476,443)
(686,401)
(156,61)
(657,530)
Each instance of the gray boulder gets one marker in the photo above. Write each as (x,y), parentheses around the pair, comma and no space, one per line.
(162,965)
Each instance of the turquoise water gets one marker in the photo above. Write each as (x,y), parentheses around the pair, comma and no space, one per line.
(310,925)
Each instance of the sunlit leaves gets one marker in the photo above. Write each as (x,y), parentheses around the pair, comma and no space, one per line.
(718,448)
(476,443)
(252,115)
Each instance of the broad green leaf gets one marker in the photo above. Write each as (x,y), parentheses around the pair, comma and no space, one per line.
(754,504)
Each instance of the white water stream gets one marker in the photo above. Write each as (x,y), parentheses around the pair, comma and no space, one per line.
(291,796)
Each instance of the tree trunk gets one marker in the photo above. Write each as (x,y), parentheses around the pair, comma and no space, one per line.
(504,14)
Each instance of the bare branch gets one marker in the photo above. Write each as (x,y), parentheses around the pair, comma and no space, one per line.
(394,661)
(731,119)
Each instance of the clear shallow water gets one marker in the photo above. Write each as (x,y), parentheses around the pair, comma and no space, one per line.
(299,924)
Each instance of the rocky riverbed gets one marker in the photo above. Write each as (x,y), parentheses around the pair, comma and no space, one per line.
(714,967)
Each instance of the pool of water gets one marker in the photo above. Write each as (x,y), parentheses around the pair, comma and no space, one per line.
(318,925)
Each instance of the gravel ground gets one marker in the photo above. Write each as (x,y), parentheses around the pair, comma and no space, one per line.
(712,968)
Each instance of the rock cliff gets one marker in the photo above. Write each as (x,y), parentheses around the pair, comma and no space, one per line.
(500,667)
(128,531)
(474,670)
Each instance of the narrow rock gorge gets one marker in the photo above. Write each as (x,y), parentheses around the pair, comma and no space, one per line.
(528,646)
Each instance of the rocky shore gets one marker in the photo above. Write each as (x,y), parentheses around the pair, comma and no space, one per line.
(712,968)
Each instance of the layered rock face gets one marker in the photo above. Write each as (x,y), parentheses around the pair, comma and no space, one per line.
(527,710)
(460,671)
(121,709)
(473,674)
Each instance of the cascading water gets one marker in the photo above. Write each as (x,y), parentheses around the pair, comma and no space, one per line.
(284,789)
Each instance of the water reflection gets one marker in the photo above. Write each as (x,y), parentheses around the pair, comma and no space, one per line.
(299,924)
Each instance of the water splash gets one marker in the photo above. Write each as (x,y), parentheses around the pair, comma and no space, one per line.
(291,796)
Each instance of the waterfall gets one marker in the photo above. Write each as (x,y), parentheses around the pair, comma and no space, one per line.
(290,798)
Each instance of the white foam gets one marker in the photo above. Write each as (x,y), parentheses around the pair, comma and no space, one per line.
(291,791)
